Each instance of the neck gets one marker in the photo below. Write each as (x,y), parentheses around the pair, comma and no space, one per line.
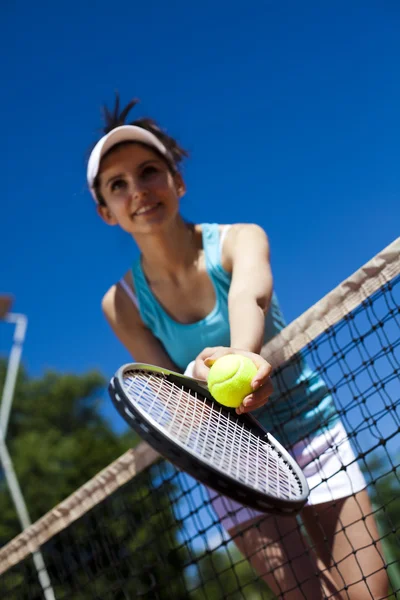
(169,253)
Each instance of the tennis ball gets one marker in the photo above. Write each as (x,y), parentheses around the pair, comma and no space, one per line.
(229,379)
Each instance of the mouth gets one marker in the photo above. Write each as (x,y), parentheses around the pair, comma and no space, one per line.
(147,209)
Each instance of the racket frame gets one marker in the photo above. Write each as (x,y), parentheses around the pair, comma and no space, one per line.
(183,458)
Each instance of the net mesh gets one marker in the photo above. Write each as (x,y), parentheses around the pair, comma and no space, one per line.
(142,529)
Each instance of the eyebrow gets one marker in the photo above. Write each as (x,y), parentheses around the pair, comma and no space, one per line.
(140,166)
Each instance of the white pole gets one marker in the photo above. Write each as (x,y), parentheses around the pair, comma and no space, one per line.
(23,517)
(21,323)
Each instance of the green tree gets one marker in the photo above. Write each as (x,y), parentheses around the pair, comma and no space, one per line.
(58,439)
(125,547)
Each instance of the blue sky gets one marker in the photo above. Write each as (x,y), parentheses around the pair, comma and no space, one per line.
(290,112)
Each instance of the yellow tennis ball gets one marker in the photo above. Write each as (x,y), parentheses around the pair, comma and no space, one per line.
(229,379)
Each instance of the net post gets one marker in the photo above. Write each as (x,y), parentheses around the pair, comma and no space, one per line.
(23,516)
(21,322)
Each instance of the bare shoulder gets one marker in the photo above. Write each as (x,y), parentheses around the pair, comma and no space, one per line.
(116,304)
(247,229)
(124,318)
(237,235)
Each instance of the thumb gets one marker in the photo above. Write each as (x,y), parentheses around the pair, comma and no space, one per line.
(210,360)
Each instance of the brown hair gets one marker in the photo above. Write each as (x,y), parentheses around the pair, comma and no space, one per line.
(116,117)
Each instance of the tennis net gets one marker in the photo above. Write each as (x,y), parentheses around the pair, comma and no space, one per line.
(143,529)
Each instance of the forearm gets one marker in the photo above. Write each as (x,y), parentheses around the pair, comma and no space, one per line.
(247,323)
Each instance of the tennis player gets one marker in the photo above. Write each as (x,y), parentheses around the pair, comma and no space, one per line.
(199,291)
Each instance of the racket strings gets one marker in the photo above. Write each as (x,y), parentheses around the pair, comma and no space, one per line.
(204,429)
(219,432)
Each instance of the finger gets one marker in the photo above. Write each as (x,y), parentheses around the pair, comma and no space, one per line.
(263,367)
(262,376)
(207,352)
(248,408)
(258,360)
(201,371)
(218,353)
(261,395)
(257,398)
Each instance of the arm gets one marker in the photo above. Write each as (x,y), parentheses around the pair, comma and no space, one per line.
(246,255)
(246,252)
(124,319)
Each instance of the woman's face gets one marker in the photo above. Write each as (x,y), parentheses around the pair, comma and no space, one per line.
(139,189)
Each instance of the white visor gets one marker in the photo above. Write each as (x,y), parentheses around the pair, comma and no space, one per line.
(125,133)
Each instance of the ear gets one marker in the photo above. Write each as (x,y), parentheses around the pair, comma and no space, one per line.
(179,185)
(105,213)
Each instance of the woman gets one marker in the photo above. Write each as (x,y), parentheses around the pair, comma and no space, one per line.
(198,292)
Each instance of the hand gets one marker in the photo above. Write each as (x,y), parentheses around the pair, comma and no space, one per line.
(199,369)
(261,383)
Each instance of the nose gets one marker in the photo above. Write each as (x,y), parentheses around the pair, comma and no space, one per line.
(137,191)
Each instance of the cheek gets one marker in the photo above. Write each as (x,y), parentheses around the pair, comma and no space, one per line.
(166,189)
(163,183)
(121,204)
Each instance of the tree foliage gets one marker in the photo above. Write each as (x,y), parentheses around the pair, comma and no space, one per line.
(125,547)
(57,438)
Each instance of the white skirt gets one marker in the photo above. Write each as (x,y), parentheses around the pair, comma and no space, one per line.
(329,465)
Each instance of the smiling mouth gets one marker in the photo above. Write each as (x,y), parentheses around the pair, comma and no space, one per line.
(147,209)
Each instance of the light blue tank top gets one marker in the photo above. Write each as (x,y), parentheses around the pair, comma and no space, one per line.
(301,404)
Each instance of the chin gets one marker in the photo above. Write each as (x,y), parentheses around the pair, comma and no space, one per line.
(151,225)
(159,219)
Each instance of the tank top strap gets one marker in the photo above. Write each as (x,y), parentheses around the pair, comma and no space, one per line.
(129,292)
(210,233)
(212,243)
(147,304)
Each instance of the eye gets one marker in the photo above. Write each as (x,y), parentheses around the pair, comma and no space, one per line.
(148,171)
(118,184)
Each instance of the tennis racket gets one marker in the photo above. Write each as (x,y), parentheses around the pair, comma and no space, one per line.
(230,453)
